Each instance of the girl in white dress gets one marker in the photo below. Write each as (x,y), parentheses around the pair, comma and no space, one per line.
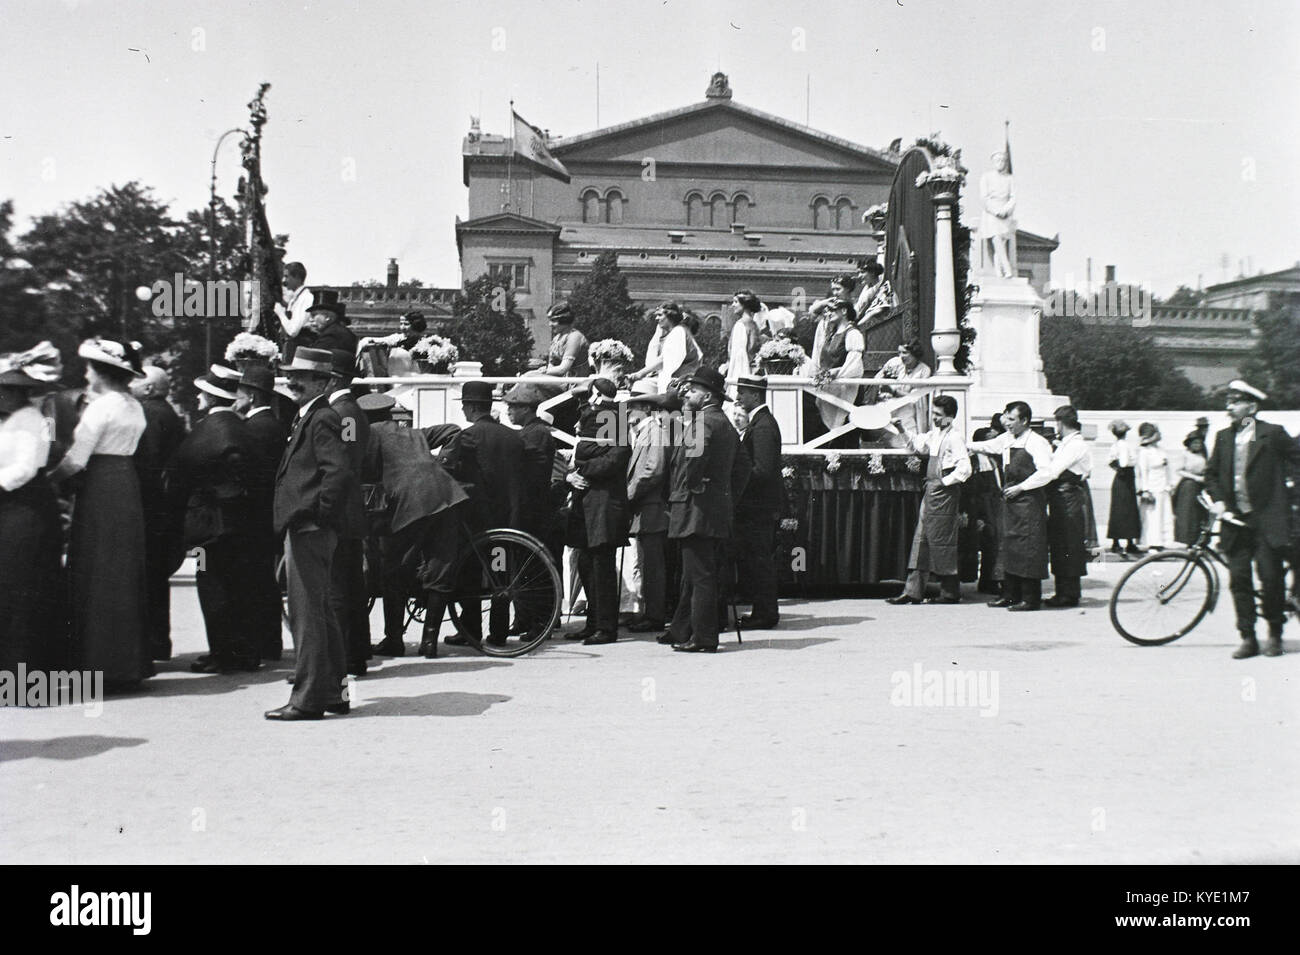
(1155,485)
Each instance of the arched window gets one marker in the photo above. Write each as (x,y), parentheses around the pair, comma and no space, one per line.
(717,209)
(740,208)
(590,201)
(614,207)
(844,215)
(695,209)
(821,208)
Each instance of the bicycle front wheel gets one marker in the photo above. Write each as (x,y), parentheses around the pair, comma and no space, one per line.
(1162,597)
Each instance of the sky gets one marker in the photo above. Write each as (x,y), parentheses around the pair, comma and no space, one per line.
(1149,134)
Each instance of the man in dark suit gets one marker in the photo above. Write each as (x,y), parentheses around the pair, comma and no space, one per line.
(702,474)
(211,474)
(326,328)
(267,437)
(163,432)
(484,457)
(541,497)
(598,519)
(317,503)
(1246,477)
(758,508)
(349,595)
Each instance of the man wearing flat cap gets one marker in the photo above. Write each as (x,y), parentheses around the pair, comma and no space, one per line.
(484,457)
(317,503)
(541,496)
(267,435)
(758,509)
(706,465)
(1246,477)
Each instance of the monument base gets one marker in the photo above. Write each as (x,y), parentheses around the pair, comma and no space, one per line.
(1005,364)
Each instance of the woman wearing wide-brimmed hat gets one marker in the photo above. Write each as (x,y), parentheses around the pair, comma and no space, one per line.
(1155,485)
(106,559)
(31,539)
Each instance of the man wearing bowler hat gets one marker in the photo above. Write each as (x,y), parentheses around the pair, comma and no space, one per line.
(758,508)
(267,436)
(1246,477)
(317,503)
(702,473)
(484,457)
(349,592)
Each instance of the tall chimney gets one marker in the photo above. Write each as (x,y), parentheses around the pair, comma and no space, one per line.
(392,275)
(1110,275)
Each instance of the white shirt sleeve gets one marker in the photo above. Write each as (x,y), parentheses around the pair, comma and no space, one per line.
(24,448)
(1041,452)
(86,437)
(297,317)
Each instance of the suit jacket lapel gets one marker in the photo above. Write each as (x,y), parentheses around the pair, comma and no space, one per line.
(1252,449)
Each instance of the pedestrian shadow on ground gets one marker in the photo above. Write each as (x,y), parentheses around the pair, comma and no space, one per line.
(63,747)
(778,643)
(452,703)
(1028,646)
(422,667)
(801,621)
(179,681)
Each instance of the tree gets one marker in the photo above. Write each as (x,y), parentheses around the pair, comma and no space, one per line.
(486,328)
(1275,365)
(602,307)
(1181,296)
(1112,367)
(23,321)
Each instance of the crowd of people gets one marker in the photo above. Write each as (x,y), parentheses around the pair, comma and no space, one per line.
(322,478)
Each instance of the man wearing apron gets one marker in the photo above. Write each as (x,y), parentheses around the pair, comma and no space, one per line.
(1026,470)
(934,545)
(1068,512)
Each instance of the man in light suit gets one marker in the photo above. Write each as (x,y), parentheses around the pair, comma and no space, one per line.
(758,508)
(647,497)
(703,472)
(1246,476)
(317,503)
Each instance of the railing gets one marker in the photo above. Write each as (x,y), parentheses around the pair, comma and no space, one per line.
(434,399)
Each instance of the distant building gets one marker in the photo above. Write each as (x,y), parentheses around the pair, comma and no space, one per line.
(374,309)
(1261,293)
(697,202)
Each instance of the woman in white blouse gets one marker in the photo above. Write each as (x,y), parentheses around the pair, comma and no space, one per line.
(106,557)
(1155,485)
(31,540)
(1125,523)
(673,352)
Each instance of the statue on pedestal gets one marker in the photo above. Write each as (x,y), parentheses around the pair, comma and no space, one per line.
(997,222)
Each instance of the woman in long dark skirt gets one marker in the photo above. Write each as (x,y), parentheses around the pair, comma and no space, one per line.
(31,541)
(106,562)
(1125,522)
(1188,513)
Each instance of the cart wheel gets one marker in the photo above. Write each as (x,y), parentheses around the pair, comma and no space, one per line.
(505,572)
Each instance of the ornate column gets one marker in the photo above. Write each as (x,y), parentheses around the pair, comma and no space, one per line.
(944,183)
(875,218)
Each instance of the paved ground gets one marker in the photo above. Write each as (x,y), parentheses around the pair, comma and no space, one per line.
(795,747)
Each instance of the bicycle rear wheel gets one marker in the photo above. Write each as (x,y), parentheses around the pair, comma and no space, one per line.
(1162,597)
(504,572)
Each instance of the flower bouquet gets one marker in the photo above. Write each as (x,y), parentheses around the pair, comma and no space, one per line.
(435,354)
(249,349)
(780,356)
(609,353)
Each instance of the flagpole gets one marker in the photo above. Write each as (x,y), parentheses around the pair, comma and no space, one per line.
(510,161)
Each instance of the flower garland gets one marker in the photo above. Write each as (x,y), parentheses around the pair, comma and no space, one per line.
(249,345)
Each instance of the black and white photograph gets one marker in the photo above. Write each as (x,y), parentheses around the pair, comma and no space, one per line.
(651,432)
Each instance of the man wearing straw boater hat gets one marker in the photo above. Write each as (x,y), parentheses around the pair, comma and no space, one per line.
(211,476)
(703,471)
(1246,477)
(317,503)
(267,436)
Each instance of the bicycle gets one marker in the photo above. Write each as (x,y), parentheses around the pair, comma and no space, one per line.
(1166,594)
(504,569)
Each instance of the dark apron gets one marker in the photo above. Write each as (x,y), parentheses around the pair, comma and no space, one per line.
(934,546)
(1067,525)
(1023,548)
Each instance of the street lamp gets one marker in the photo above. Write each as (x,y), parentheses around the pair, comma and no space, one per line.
(212,234)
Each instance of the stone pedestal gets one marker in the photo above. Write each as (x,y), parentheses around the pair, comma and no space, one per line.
(1005,363)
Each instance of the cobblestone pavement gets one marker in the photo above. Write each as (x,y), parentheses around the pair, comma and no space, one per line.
(800,746)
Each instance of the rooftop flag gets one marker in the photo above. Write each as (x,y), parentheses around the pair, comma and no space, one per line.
(531,145)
